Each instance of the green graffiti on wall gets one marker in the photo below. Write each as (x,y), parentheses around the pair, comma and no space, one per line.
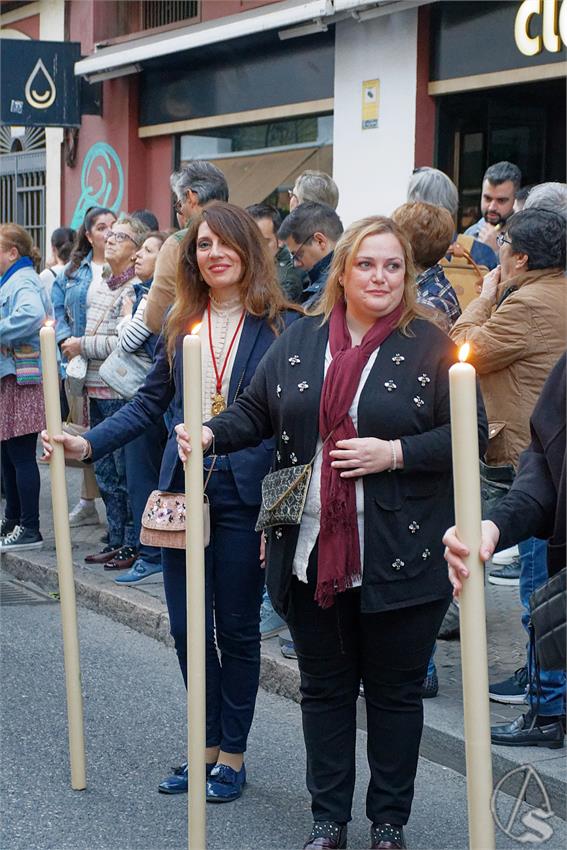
(102,182)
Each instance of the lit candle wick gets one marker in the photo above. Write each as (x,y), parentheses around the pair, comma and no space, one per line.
(464,352)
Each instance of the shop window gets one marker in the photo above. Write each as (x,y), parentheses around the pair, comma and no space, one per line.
(262,161)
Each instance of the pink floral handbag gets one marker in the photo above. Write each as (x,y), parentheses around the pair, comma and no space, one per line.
(164,518)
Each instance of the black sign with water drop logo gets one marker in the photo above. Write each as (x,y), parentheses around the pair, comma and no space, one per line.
(39,87)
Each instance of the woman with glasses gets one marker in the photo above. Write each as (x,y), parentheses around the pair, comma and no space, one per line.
(108,301)
(69,295)
(227,281)
(517,329)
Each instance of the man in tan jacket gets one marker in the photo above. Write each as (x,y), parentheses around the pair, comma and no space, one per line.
(196,185)
(517,329)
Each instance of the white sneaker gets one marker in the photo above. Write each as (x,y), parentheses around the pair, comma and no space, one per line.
(83,515)
(506,556)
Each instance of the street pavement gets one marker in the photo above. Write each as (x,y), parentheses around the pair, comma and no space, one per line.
(143,609)
(134,707)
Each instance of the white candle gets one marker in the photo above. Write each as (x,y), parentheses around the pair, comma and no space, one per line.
(60,504)
(474,658)
(195,570)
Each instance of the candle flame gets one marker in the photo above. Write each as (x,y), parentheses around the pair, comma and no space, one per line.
(464,352)
(195,329)
(49,323)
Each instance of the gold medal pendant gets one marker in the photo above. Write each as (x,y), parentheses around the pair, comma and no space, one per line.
(218,404)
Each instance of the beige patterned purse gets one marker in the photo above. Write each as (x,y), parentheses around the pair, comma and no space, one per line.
(164,518)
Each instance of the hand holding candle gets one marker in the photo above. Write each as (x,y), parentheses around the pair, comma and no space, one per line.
(474,657)
(195,575)
(50,375)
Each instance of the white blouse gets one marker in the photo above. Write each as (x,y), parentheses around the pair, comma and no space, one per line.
(310,521)
(224,321)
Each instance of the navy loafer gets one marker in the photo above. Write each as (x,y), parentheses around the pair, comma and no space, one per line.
(178,782)
(225,784)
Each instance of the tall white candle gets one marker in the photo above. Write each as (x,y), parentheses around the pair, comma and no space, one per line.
(195,569)
(59,501)
(474,657)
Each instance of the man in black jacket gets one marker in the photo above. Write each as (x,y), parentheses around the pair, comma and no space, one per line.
(535,506)
(311,232)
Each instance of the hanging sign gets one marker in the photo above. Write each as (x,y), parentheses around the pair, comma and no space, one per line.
(39,87)
(370,104)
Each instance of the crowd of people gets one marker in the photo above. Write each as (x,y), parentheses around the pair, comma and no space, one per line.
(325,357)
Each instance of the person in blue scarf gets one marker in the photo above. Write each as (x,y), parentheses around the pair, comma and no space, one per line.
(24,307)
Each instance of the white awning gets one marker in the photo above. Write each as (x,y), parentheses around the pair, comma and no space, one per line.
(122,59)
(199,35)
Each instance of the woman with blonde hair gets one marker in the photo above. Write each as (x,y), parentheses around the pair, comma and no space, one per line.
(360,389)
(227,281)
(24,307)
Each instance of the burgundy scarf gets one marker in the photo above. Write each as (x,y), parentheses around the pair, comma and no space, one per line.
(114,281)
(339,546)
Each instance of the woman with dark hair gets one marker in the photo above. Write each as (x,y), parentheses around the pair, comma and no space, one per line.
(360,390)
(24,307)
(62,240)
(227,281)
(517,330)
(70,294)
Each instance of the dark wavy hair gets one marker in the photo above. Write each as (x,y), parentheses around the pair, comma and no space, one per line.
(541,235)
(82,245)
(260,290)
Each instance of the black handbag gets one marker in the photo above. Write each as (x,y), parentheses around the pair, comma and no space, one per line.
(548,617)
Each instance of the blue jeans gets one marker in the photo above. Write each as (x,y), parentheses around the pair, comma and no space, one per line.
(234,582)
(143,460)
(110,473)
(533,573)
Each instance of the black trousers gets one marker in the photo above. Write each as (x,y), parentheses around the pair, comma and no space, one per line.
(336,649)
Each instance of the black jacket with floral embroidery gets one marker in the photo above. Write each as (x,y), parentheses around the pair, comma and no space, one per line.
(405,396)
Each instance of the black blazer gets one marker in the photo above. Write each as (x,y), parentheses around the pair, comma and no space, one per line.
(164,386)
(406,396)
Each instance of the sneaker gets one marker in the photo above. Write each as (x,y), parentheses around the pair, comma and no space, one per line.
(7,526)
(270,622)
(451,626)
(138,573)
(505,556)
(21,538)
(83,515)
(288,649)
(507,575)
(430,686)
(513,691)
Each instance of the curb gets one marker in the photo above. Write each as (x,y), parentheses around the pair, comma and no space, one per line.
(442,741)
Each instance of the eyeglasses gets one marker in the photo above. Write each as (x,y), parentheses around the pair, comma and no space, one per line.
(292,194)
(119,236)
(296,255)
(501,239)
(178,206)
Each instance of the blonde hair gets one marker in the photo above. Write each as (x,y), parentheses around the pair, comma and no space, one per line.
(14,236)
(344,256)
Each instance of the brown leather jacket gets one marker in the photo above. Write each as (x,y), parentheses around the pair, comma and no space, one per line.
(514,348)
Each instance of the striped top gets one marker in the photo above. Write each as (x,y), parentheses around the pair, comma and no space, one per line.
(111,306)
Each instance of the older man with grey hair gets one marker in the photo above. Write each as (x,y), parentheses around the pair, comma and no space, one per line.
(194,186)
(316,186)
(434,187)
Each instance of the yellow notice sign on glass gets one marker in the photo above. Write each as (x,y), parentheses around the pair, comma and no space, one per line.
(370,104)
